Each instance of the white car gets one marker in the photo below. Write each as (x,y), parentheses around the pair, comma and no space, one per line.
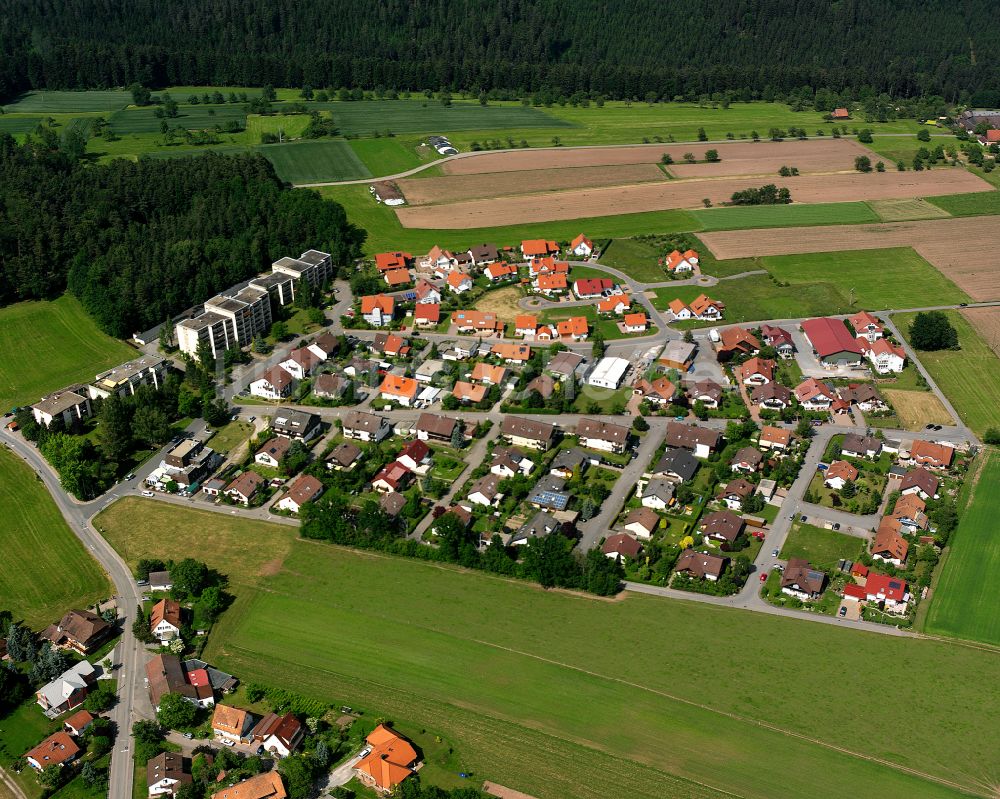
(148,493)
(228,743)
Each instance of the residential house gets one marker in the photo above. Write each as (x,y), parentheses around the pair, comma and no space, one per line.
(888,544)
(166,772)
(544,385)
(496,273)
(397,388)
(343,456)
(920,482)
(551,284)
(392,503)
(736,341)
(885,356)
(165,675)
(737,492)
(569,462)
(458,282)
(607,437)
(427,293)
(481,323)
(616,304)
(78,630)
(538,248)
(392,477)
(438,260)
(486,490)
(547,266)
(160,581)
(378,310)
(773,396)
(77,724)
(68,690)
(538,526)
(702,441)
(70,405)
(276,383)
(831,342)
(564,364)
(635,322)
(642,522)
(366,427)
(510,461)
(865,396)
(427,315)
(755,371)
(296,425)
(280,735)
(747,460)
(165,620)
(909,512)
(576,328)
(678,262)
(866,326)
(589,288)
(582,246)
(722,525)
(700,565)
(677,465)
(231,723)
(387,261)
(707,392)
(484,254)
(658,494)
(266,785)
(840,114)
(324,346)
(390,345)
(801,580)
(678,354)
(432,427)
(780,339)
(415,456)
(931,455)
(706,309)
(838,473)
(395,278)
(488,374)
(58,749)
(774,438)
(245,487)
(814,395)
(858,446)
(889,591)
(527,433)
(306,488)
(550,493)
(525,325)
(658,392)
(330,387)
(390,760)
(621,545)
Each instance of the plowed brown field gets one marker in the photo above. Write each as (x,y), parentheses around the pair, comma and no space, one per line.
(452,188)
(520,209)
(965,249)
(986,321)
(817,154)
(766,158)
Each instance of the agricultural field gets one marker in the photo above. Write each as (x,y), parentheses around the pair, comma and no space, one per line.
(757,297)
(384,156)
(906,210)
(312,161)
(768,216)
(916,409)
(691,193)
(637,258)
(960,248)
(16,125)
(68,102)
(963,604)
(192,117)
(45,570)
(821,547)
(765,158)
(969,377)
(58,334)
(303,608)
(980,203)
(386,233)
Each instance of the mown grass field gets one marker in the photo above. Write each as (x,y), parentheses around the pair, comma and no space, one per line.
(821,547)
(637,259)
(45,570)
(765,216)
(192,117)
(48,345)
(979,203)
(384,156)
(386,233)
(906,210)
(312,161)
(969,376)
(964,601)
(68,102)
(592,694)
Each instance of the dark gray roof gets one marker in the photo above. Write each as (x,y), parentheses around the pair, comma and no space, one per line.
(541,524)
(569,458)
(679,462)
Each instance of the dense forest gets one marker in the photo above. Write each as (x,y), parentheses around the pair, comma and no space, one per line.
(617,48)
(139,242)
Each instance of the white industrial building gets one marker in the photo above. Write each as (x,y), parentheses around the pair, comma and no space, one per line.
(608,373)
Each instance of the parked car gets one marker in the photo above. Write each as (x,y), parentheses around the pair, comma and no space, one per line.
(763,577)
(188,735)
(229,743)
(843,611)
(774,554)
(836,525)
(130,476)
(803,518)
(147,493)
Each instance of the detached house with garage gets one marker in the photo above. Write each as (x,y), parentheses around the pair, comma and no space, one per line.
(814,395)
(884,356)
(575,328)
(604,436)
(866,326)
(275,384)
(165,620)
(400,389)
(700,566)
(582,246)
(590,288)
(538,248)
(678,262)
(378,310)
(755,371)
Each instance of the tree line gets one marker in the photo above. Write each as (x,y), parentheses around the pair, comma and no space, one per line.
(140,242)
(619,49)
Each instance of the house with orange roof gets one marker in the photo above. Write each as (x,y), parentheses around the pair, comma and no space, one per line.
(427,293)
(839,473)
(888,544)
(616,304)
(231,723)
(866,326)
(885,356)
(678,262)
(427,315)
(931,455)
(512,353)
(840,113)
(635,322)
(582,246)
(736,341)
(547,266)
(500,271)
(468,392)
(814,395)
(774,438)
(705,308)
(549,284)
(391,760)
(438,260)
(378,309)
(576,328)
(56,750)
(488,374)
(266,785)
(525,325)
(396,277)
(755,371)
(387,261)
(545,333)
(165,620)
(392,477)
(483,323)
(398,388)
(459,282)
(538,248)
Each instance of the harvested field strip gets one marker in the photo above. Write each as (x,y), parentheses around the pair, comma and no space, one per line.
(452,188)
(906,210)
(980,203)
(986,322)
(916,409)
(828,153)
(962,249)
(766,158)
(766,216)
(679,194)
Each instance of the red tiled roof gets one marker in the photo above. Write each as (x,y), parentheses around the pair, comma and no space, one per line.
(829,336)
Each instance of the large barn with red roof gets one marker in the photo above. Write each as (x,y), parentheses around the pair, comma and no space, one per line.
(833,344)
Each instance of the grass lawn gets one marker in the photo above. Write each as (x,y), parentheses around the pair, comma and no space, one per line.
(821,547)
(964,600)
(19,124)
(63,102)
(969,377)
(58,334)
(384,156)
(313,161)
(904,148)
(614,711)
(230,436)
(45,570)
(902,210)
(637,259)
(190,117)
(980,203)
(386,233)
(20,730)
(764,216)
(290,126)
